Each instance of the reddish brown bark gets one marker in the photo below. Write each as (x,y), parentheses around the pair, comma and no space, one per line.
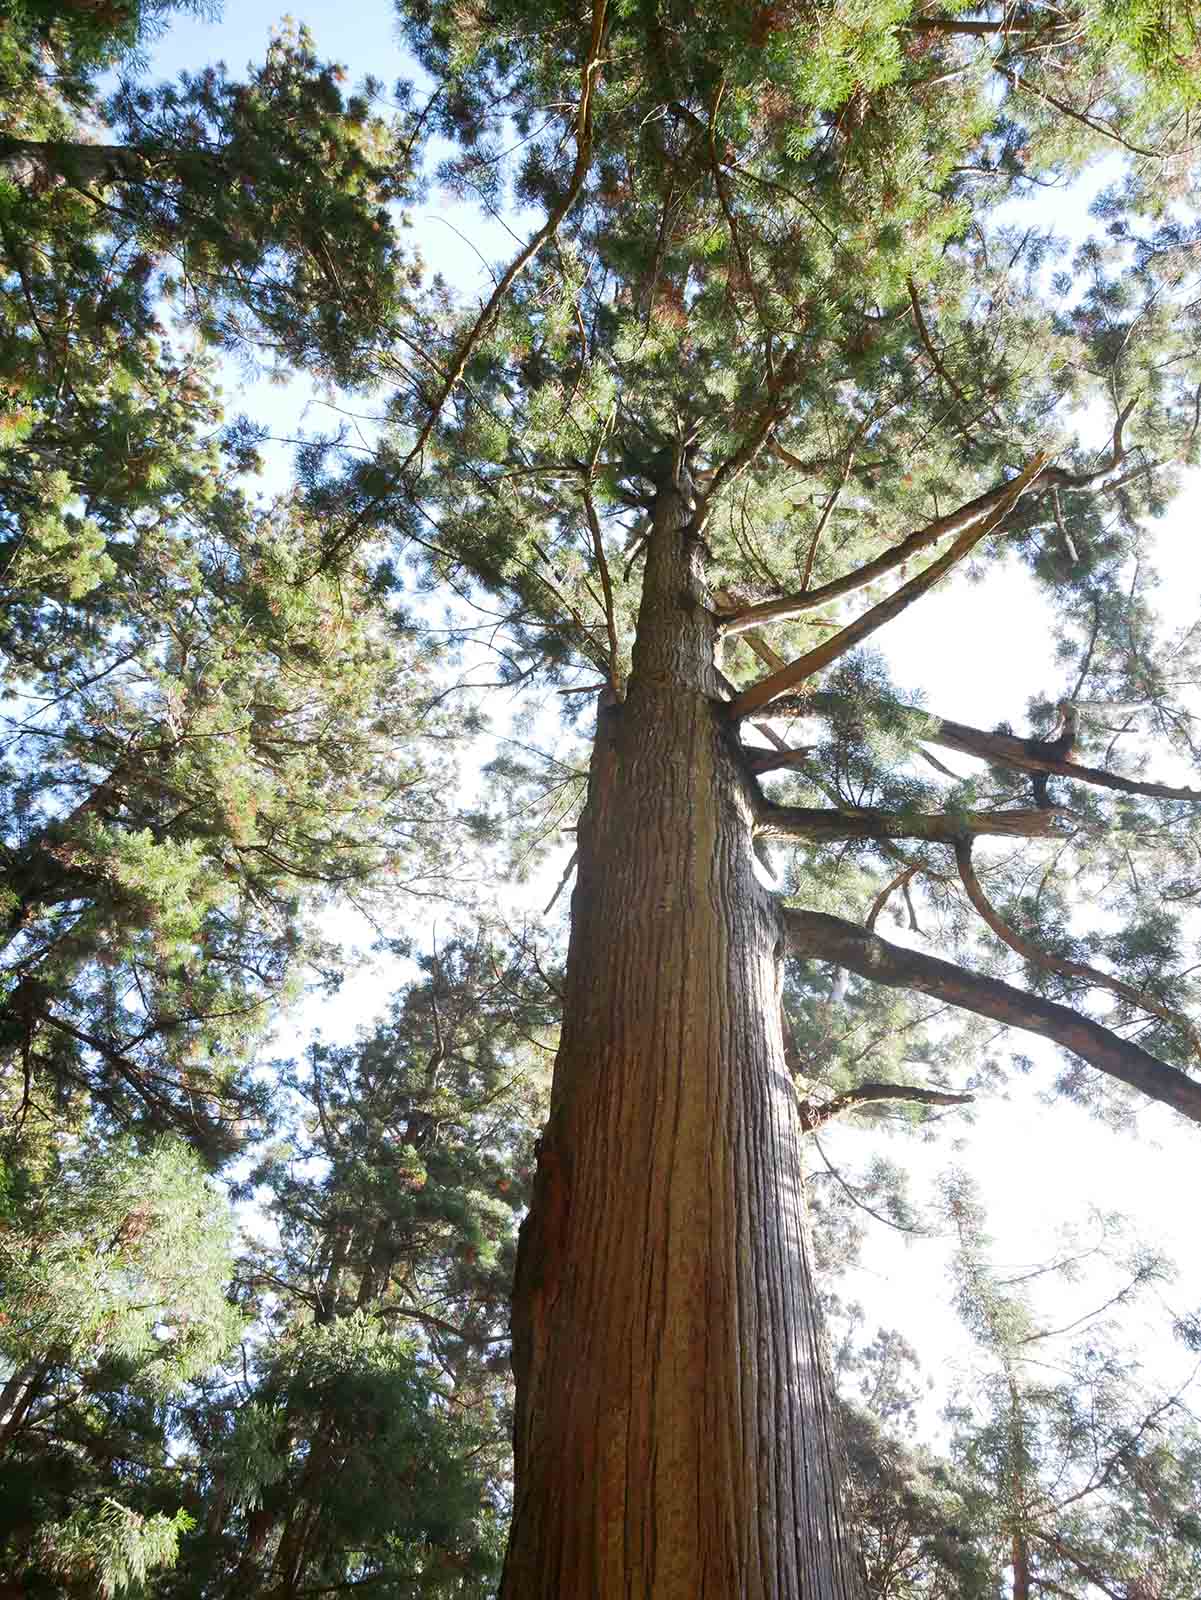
(675,1434)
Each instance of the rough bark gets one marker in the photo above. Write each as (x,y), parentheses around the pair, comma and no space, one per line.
(829,824)
(675,1435)
(42,163)
(825,938)
(1003,749)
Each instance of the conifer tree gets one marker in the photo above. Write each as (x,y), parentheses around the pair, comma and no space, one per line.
(115,1268)
(365,1436)
(775,363)
(1077,1465)
(204,736)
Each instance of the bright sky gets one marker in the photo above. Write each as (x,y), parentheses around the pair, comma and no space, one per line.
(1039,1165)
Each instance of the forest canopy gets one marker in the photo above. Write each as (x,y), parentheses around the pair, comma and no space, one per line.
(789,353)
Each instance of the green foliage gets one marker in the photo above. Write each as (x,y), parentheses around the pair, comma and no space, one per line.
(1076,1465)
(115,1267)
(111,1547)
(121,1258)
(366,1436)
(207,734)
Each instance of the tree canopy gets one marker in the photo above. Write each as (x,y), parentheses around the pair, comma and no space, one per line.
(790,342)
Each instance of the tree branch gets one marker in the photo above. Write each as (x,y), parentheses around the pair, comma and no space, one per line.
(598,550)
(936,359)
(814,1114)
(1023,86)
(826,511)
(829,825)
(901,881)
(849,637)
(38,163)
(793,605)
(1052,963)
(1004,749)
(583,160)
(817,936)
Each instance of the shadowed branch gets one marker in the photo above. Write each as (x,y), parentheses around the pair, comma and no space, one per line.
(815,1114)
(1052,963)
(1003,749)
(828,824)
(817,936)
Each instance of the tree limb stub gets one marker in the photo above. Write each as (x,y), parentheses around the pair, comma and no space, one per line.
(815,1114)
(827,824)
(817,936)
(1006,750)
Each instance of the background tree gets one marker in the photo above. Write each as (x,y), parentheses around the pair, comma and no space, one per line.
(115,1266)
(204,737)
(365,1436)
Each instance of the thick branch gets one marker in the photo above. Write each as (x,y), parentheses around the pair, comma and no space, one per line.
(876,616)
(40,163)
(828,825)
(814,935)
(814,1114)
(1052,963)
(1004,749)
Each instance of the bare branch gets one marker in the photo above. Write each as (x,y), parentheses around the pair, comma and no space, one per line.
(567,872)
(814,1114)
(778,683)
(794,605)
(901,881)
(826,511)
(817,936)
(1051,963)
(1024,86)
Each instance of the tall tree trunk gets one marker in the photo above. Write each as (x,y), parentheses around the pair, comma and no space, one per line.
(675,1434)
